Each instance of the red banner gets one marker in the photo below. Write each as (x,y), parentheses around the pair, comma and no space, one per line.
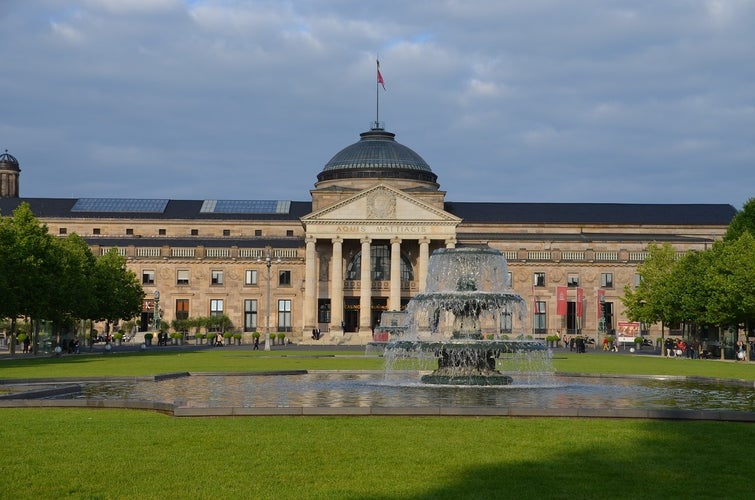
(580,302)
(561,300)
(601,300)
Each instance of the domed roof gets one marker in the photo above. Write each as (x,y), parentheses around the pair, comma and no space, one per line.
(377,154)
(8,161)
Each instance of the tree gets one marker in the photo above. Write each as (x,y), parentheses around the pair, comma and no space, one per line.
(743,221)
(76,299)
(118,292)
(29,268)
(732,282)
(651,301)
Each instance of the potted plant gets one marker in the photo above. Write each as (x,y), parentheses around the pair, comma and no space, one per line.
(178,338)
(118,337)
(237,338)
(148,339)
(281,338)
(227,338)
(199,338)
(638,342)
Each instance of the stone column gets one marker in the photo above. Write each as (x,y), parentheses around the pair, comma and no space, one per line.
(451,243)
(394,300)
(336,287)
(365,294)
(424,257)
(310,286)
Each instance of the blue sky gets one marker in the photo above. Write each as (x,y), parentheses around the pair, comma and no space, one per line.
(534,101)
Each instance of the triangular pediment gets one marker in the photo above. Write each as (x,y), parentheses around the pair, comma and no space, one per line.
(380,203)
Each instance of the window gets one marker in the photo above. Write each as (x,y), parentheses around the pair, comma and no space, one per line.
(195,232)
(606,280)
(129,231)
(216,307)
(226,232)
(289,232)
(323,311)
(148,277)
(258,232)
(182,308)
(250,315)
(607,316)
(250,277)
(539,279)
(539,318)
(96,231)
(572,280)
(62,230)
(284,315)
(284,278)
(182,277)
(506,326)
(380,265)
(216,277)
(162,232)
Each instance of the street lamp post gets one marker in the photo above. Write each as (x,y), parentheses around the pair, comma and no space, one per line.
(268,264)
(157,311)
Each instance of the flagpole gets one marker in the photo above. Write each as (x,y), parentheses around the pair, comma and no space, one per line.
(377,95)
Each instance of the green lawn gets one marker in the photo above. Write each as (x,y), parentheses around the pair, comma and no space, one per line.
(88,453)
(157,361)
(77,453)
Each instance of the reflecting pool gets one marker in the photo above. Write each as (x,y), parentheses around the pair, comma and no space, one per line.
(378,389)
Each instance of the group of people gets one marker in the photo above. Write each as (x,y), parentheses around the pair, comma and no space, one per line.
(315,333)
(577,343)
(680,348)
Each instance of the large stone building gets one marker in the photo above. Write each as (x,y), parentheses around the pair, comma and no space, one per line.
(292,266)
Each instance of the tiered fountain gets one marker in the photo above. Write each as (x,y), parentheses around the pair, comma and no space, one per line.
(457,321)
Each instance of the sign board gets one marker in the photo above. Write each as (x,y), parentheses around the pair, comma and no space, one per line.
(626,331)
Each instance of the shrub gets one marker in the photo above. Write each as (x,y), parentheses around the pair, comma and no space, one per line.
(148,336)
(118,335)
(256,335)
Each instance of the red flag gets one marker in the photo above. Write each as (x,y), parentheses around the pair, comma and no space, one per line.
(580,302)
(380,76)
(561,300)
(601,300)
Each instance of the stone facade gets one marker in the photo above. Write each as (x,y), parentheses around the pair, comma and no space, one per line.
(296,273)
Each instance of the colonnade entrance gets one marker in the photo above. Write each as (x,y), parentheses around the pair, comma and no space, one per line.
(367,254)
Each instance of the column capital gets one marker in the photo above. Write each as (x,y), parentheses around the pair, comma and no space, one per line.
(396,239)
(337,239)
(366,239)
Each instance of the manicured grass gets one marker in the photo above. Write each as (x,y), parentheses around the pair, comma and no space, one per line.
(78,453)
(87,453)
(651,365)
(158,361)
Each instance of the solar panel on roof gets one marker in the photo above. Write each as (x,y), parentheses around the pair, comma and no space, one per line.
(119,205)
(246,206)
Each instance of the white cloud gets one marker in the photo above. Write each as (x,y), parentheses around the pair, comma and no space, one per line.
(247,90)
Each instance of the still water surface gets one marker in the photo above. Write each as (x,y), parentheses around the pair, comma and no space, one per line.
(326,389)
